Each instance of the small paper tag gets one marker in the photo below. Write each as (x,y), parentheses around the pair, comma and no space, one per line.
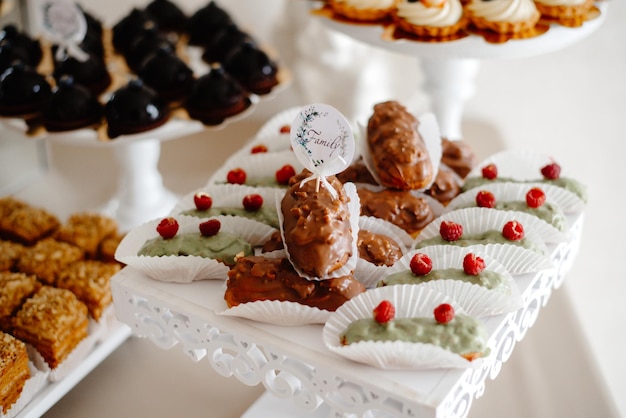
(322,140)
(63,23)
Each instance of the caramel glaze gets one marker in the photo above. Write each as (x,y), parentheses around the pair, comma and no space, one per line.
(378,249)
(400,157)
(316,226)
(458,155)
(401,208)
(257,278)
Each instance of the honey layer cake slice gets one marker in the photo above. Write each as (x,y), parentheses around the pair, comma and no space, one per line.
(53,321)
(90,281)
(47,258)
(15,288)
(14,370)
(24,223)
(86,231)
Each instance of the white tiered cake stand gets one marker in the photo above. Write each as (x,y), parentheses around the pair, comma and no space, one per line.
(450,67)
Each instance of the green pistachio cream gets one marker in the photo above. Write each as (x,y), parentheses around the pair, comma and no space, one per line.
(488,279)
(566,183)
(462,335)
(268,216)
(486,237)
(222,246)
(547,212)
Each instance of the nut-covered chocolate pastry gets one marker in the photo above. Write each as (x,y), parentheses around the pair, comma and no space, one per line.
(356,172)
(398,151)
(459,156)
(401,208)
(447,185)
(378,249)
(257,278)
(316,226)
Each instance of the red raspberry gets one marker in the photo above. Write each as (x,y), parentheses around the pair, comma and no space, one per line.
(485,199)
(490,171)
(285,129)
(236,176)
(384,312)
(450,231)
(285,173)
(513,231)
(252,202)
(551,171)
(258,149)
(202,201)
(535,198)
(421,264)
(472,264)
(444,313)
(210,227)
(168,227)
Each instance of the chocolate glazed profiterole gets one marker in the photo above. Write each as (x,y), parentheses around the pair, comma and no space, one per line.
(399,153)
(316,226)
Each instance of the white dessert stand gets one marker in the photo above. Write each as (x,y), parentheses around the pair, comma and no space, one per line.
(450,68)
(301,376)
(141,194)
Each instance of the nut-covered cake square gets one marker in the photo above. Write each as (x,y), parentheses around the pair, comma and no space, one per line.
(15,288)
(47,258)
(53,321)
(86,231)
(14,370)
(90,280)
(24,223)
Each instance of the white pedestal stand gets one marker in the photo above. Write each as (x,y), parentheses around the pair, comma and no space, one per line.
(140,195)
(450,83)
(451,67)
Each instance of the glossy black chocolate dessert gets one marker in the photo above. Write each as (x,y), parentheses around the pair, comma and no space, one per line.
(167,74)
(253,68)
(22,47)
(91,73)
(129,27)
(145,44)
(216,96)
(206,22)
(167,15)
(71,106)
(225,42)
(134,108)
(23,91)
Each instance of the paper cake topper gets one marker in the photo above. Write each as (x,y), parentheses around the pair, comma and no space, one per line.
(322,140)
(64,24)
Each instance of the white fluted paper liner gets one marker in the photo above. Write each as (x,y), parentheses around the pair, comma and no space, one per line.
(380,226)
(257,165)
(567,201)
(37,381)
(515,163)
(181,269)
(474,299)
(354,207)
(231,195)
(516,259)
(367,273)
(510,192)
(278,313)
(434,204)
(410,301)
(428,128)
(522,165)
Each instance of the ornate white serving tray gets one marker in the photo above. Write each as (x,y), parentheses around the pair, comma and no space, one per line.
(293,363)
